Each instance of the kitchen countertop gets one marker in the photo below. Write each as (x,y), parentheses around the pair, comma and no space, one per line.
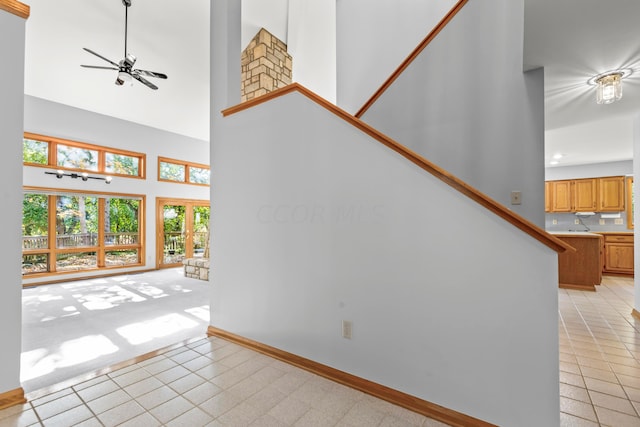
(589,234)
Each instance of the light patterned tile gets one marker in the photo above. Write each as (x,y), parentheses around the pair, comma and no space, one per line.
(289,410)
(131,377)
(316,418)
(193,417)
(616,419)
(172,374)
(156,397)
(266,399)
(240,415)
(198,363)
(57,406)
(185,356)
(575,393)
(604,387)
(363,414)
(98,390)
(202,392)
(160,366)
(186,383)
(68,418)
(120,414)
(268,421)
(577,408)
(171,409)
(108,401)
(220,403)
(143,420)
(611,402)
(19,419)
(143,387)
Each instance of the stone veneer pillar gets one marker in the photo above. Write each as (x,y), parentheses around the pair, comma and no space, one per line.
(266,66)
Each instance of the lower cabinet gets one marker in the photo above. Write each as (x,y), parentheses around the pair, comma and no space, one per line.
(618,253)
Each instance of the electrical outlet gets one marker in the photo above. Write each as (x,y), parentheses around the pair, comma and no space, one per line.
(602,221)
(618,221)
(554,221)
(576,221)
(346,329)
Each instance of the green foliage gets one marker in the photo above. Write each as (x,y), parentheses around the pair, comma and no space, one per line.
(174,219)
(70,210)
(34,215)
(123,215)
(77,158)
(172,171)
(121,164)
(35,152)
(198,175)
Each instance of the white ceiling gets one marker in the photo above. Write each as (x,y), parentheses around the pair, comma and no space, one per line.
(573,39)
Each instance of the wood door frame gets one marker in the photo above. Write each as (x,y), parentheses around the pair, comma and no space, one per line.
(164,201)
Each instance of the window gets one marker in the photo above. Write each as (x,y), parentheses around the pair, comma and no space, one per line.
(121,164)
(184,172)
(87,231)
(39,150)
(76,157)
(36,152)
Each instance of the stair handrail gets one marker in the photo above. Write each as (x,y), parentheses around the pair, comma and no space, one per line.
(514,219)
(412,56)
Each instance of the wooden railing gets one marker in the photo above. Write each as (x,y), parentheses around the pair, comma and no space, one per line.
(412,56)
(516,220)
(80,240)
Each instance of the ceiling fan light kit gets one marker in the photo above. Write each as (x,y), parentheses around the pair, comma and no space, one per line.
(126,72)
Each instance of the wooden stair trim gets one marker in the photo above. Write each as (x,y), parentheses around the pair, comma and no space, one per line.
(16,8)
(484,200)
(11,398)
(412,56)
(396,397)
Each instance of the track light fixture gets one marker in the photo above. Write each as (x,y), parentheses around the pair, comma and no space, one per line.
(84,176)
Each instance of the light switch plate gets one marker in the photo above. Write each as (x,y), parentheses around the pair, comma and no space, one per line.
(516,197)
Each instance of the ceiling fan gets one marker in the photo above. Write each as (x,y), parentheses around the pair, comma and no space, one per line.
(125,69)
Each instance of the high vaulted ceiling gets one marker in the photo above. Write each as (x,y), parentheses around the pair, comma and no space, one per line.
(573,39)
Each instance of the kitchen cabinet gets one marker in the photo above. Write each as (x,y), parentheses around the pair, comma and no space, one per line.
(611,195)
(561,196)
(582,268)
(548,196)
(585,195)
(618,253)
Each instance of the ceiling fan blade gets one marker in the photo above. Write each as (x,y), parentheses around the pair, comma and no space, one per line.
(144,81)
(100,68)
(102,57)
(151,74)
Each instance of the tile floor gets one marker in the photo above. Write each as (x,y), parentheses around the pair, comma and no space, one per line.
(210,382)
(215,383)
(599,356)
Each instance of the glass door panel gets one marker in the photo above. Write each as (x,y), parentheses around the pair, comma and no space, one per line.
(200,228)
(174,226)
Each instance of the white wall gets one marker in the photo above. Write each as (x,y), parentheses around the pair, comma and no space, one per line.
(321,224)
(12,41)
(373,42)
(58,120)
(312,44)
(636,213)
(589,171)
(465,105)
(271,15)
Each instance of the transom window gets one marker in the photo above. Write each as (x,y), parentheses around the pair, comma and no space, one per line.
(40,150)
(183,172)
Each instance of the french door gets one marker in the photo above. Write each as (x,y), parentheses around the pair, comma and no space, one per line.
(182,230)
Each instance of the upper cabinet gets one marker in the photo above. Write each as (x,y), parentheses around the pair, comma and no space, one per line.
(611,194)
(590,194)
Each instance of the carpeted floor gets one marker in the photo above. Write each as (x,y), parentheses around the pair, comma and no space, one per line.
(75,328)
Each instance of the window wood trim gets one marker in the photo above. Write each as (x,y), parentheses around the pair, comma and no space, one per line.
(186,165)
(101,149)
